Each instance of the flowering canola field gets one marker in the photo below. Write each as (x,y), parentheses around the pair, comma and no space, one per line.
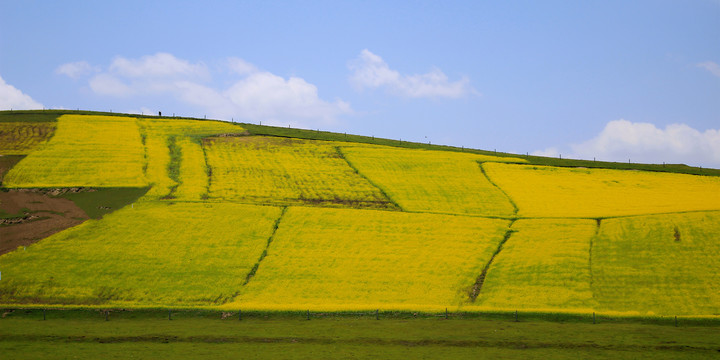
(341,259)
(85,151)
(153,253)
(186,135)
(658,264)
(432,181)
(543,265)
(286,171)
(236,221)
(544,191)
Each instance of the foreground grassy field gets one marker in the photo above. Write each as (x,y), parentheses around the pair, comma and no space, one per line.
(149,335)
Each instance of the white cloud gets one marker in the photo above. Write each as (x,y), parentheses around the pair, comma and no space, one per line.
(240,66)
(710,66)
(371,71)
(549,152)
(158,65)
(263,95)
(106,84)
(644,142)
(76,69)
(12,98)
(254,95)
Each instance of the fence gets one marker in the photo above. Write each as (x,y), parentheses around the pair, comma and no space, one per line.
(377,314)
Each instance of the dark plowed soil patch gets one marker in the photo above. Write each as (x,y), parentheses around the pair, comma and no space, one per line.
(39,216)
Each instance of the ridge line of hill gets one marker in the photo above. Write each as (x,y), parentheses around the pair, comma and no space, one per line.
(255,129)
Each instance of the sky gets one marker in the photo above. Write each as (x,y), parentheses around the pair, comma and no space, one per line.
(629,80)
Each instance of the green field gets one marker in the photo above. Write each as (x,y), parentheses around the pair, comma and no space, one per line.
(189,335)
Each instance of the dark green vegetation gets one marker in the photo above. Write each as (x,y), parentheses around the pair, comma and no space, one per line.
(98,202)
(191,334)
(30,115)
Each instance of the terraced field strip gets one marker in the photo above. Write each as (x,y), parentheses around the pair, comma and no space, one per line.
(543,266)
(186,177)
(544,191)
(150,254)
(193,172)
(100,151)
(344,259)
(286,171)
(659,264)
(432,181)
(21,138)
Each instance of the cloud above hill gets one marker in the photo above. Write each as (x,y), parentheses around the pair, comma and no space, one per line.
(252,95)
(13,99)
(710,66)
(623,140)
(371,71)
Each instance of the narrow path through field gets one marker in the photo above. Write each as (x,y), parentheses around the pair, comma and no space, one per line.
(382,191)
(514,205)
(477,287)
(590,265)
(208,169)
(254,270)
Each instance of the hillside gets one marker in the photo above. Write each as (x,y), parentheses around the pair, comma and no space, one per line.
(201,213)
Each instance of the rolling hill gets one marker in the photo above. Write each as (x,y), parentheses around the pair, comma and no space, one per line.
(209,214)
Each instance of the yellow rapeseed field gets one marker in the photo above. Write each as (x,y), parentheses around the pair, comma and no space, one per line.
(86,150)
(659,264)
(20,138)
(335,259)
(193,172)
(541,191)
(545,264)
(286,171)
(432,181)
(150,254)
(157,134)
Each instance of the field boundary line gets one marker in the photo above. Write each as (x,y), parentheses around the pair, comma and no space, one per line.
(512,202)
(270,239)
(480,281)
(590,254)
(173,165)
(208,169)
(340,153)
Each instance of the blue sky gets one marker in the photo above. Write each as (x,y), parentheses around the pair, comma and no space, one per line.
(612,80)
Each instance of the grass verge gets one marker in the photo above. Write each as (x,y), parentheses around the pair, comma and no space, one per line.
(104,200)
(150,334)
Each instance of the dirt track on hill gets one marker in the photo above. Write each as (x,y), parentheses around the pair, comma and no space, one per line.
(41,216)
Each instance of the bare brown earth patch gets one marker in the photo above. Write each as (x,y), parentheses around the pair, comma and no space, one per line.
(36,215)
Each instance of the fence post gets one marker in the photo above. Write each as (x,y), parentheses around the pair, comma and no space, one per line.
(308,314)
(377,314)
(516,315)
(43,314)
(446,313)
(593,317)
(675,320)
(107,313)
(169,314)
(239,315)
